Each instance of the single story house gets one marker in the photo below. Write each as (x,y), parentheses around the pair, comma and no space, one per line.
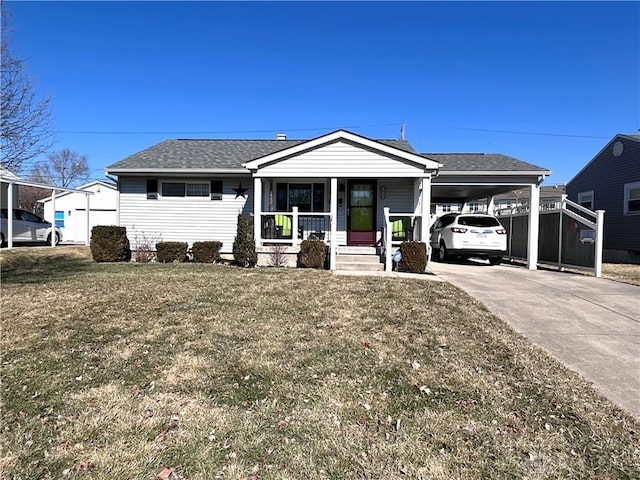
(611,182)
(70,213)
(344,188)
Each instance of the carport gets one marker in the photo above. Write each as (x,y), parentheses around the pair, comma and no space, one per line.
(10,181)
(466,177)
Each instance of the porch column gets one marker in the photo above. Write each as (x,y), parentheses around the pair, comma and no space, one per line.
(334,223)
(534,227)
(425,210)
(10,215)
(599,241)
(257,211)
(88,238)
(53,220)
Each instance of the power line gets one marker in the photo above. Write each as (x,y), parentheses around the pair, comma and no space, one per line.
(528,133)
(217,132)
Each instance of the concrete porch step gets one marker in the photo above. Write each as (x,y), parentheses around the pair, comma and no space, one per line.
(360,266)
(358,258)
(350,250)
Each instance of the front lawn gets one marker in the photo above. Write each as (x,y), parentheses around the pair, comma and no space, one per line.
(121,370)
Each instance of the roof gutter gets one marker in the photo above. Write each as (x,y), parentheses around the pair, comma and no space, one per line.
(180,171)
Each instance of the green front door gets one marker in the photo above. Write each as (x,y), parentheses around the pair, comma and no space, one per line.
(361,212)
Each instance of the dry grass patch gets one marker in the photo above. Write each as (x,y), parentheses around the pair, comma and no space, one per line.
(622,272)
(116,371)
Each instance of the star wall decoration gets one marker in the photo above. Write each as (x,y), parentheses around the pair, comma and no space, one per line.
(240,192)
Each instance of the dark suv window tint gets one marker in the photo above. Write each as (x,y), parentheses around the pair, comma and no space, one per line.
(473,221)
(447,220)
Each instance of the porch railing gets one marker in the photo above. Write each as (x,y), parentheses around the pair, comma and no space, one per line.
(291,228)
(397,228)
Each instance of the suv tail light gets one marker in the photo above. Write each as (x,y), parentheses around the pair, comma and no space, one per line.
(501,231)
(458,230)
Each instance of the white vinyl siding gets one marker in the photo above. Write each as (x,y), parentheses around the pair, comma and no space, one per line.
(341,159)
(632,198)
(185,219)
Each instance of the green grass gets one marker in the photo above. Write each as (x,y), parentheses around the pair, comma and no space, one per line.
(118,370)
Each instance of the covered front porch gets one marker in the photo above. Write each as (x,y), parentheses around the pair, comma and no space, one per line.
(344,189)
(342,212)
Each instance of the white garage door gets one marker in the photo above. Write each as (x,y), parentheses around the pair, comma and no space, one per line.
(96,217)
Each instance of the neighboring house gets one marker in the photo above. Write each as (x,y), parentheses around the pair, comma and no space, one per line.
(611,182)
(71,210)
(340,187)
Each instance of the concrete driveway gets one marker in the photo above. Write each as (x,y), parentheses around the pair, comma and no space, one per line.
(590,324)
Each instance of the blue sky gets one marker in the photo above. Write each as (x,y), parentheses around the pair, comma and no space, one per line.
(457,74)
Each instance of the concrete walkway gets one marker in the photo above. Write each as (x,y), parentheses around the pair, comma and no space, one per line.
(590,324)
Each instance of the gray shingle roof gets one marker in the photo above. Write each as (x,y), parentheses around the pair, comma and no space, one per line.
(480,162)
(214,154)
(630,137)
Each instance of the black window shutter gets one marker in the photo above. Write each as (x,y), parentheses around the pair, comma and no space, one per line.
(152,189)
(216,189)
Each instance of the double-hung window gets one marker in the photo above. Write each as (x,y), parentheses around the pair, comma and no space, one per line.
(632,198)
(308,197)
(185,189)
(585,199)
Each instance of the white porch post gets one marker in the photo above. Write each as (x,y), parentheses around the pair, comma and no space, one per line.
(534,227)
(599,241)
(10,215)
(257,211)
(53,220)
(425,210)
(295,241)
(388,265)
(334,223)
(88,238)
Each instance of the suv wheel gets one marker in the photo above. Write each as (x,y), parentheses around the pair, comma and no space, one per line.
(442,253)
(495,260)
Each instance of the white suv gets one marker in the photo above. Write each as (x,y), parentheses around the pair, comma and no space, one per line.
(469,235)
(27,227)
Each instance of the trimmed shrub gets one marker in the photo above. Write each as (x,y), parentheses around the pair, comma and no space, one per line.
(312,254)
(414,257)
(206,252)
(169,252)
(244,246)
(110,244)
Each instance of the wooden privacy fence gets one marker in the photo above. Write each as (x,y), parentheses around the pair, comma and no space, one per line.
(570,235)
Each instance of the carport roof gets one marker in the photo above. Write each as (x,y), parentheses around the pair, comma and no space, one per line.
(453,163)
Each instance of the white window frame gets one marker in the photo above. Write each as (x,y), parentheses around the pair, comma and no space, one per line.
(185,196)
(581,196)
(627,192)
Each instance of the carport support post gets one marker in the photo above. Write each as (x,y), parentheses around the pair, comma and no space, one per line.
(53,223)
(534,227)
(10,215)
(491,205)
(425,208)
(599,241)
(87,239)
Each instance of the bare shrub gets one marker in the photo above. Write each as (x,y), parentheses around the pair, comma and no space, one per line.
(144,251)
(277,257)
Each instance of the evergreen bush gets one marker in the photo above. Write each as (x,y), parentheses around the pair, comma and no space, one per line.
(170,252)
(244,246)
(312,254)
(414,257)
(110,244)
(206,252)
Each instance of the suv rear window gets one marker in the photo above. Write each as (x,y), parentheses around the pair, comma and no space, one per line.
(474,221)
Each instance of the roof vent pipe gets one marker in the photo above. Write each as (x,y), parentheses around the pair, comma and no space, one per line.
(281,136)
